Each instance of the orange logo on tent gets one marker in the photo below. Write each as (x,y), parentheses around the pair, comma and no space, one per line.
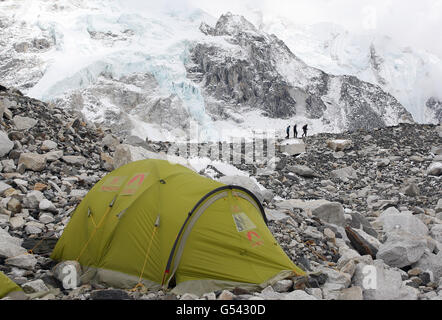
(256,243)
(134,184)
(112,184)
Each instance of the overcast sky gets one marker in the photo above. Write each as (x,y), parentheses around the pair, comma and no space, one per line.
(417,23)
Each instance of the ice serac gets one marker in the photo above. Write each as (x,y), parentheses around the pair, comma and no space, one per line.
(258,70)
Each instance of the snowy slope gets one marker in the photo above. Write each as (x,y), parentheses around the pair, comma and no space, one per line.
(412,76)
(125,64)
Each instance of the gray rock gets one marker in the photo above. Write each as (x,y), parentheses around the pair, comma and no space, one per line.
(339,145)
(4,187)
(331,212)
(24,261)
(32,161)
(46,217)
(293,149)
(226,295)
(48,145)
(24,123)
(412,190)
(436,232)
(17,222)
(34,286)
(10,246)
(125,154)
(32,199)
(298,295)
(283,286)
(345,174)
(74,160)
(391,221)
(6,145)
(46,205)
(302,171)
(379,282)
(431,262)
(353,293)
(53,155)
(383,162)
(435,169)
(110,142)
(402,249)
(68,273)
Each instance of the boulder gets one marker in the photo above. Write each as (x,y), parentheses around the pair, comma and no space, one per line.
(302,171)
(54,155)
(411,190)
(24,123)
(293,149)
(32,161)
(353,293)
(402,249)
(34,286)
(74,160)
(431,262)
(380,282)
(125,154)
(4,187)
(32,199)
(339,145)
(331,212)
(48,145)
(46,205)
(68,273)
(298,295)
(345,174)
(436,232)
(6,145)
(10,246)
(110,141)
(390,220)
(283,286)
(23,261)
(435,169)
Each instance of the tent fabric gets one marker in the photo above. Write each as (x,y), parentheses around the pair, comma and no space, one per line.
(152,221)
(7,286)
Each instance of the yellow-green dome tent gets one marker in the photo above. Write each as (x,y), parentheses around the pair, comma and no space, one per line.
(152,221)
(7,286)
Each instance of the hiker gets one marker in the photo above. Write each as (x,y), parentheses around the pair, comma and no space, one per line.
(304,129)
(288,132)
(295,132)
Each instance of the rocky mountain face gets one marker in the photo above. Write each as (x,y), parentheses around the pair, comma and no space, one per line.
(139,75)
(356,203)
(409,74)
(260,71)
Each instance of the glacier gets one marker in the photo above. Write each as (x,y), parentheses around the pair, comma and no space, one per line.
(130,42)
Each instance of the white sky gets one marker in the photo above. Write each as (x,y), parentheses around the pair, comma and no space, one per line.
(416,23)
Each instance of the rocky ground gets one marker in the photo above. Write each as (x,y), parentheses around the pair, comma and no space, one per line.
(356,210)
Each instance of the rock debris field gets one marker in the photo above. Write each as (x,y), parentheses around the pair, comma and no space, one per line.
(360,212)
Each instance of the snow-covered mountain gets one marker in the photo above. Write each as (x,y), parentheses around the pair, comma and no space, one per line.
(153,72)
(412,76)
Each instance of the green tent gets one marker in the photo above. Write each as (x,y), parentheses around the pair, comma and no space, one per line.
(7,286)
(155,223)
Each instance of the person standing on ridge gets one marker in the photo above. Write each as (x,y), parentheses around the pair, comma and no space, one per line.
(295,132)
(304,129)
(288,132)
